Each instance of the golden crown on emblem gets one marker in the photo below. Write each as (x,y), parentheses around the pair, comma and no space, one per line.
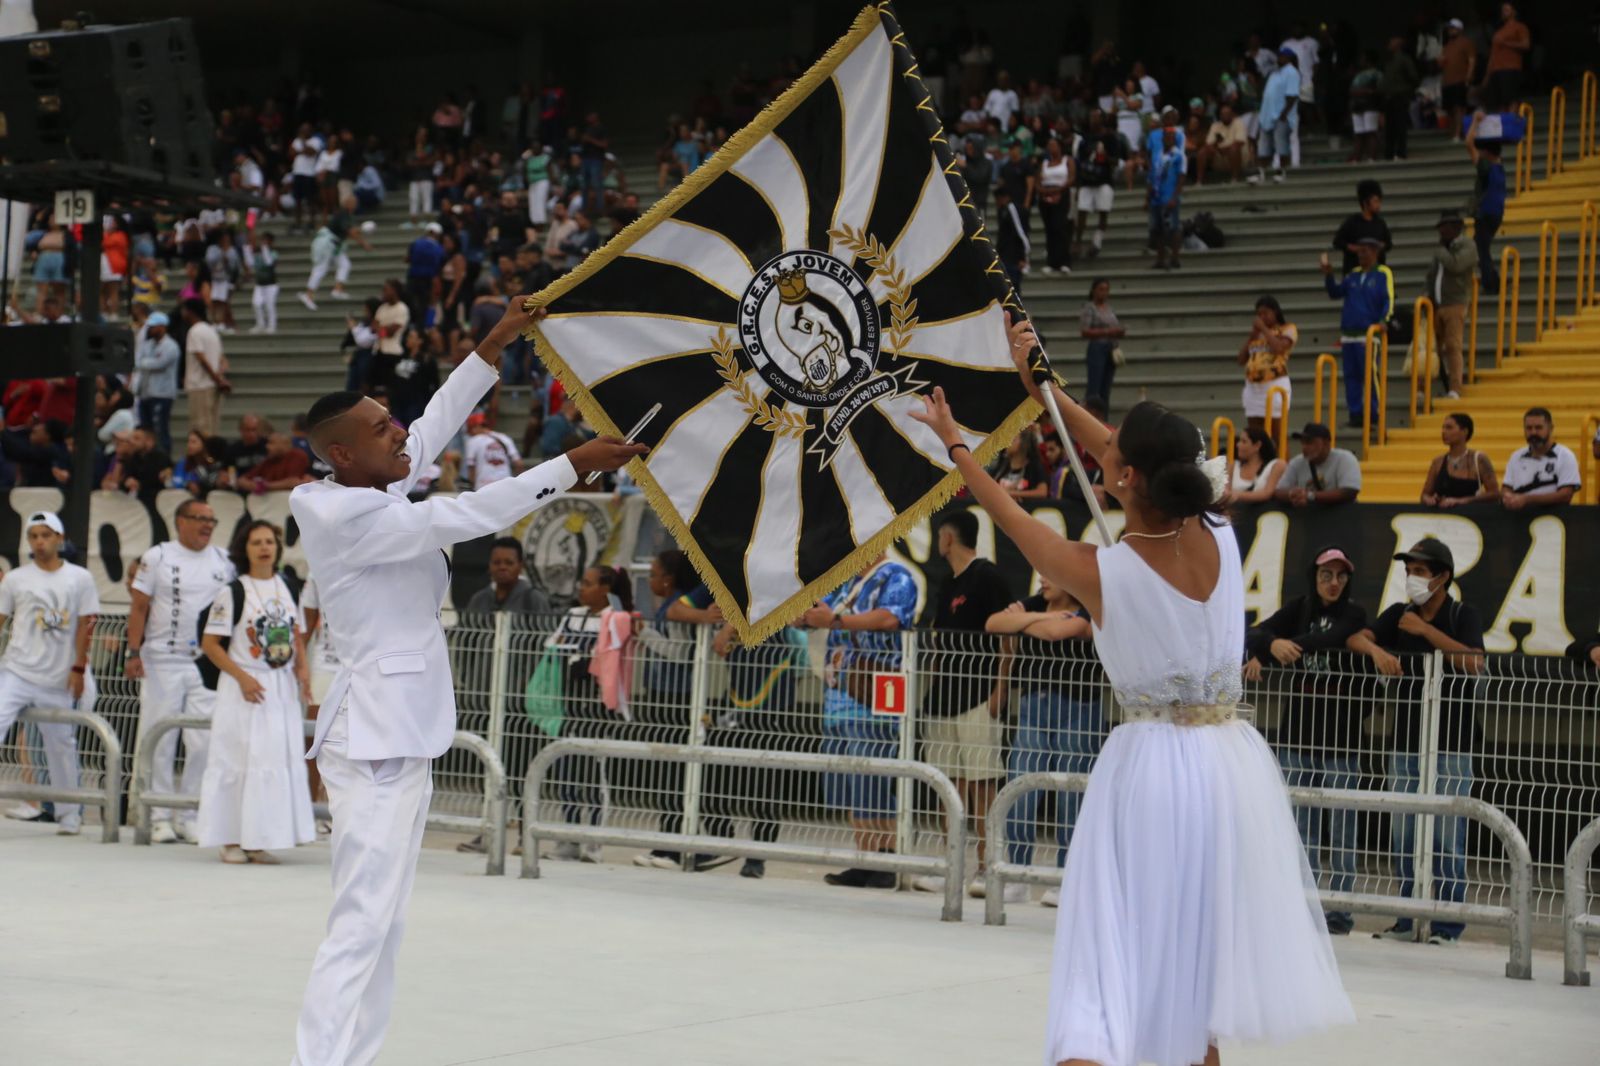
(792,286)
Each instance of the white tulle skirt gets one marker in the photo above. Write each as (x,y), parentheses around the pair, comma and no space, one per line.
(1188,914)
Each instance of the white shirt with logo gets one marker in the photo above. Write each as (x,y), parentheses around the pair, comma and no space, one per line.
(45,607)
(263,638)
(181,585)
(324,649)
(489,457)
(1541,475)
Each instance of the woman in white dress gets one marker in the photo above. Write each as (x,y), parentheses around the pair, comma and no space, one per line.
(254,794)
(1188,913)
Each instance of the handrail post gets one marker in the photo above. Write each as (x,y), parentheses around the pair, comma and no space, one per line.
(494,797)
(1218,424)
(109,798)
(1549,263)
(1591,468)
(1424,346)
(1472,334)
(694,773)
(1278,399)
(1555,140)
(1589,98)
(1524,161)
(1575,903)
(1332,421)
(1505,328)
(499,671)
(144,759)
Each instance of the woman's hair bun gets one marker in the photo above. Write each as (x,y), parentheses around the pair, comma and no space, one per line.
(1180,489)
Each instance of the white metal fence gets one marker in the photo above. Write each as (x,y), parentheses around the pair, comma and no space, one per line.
(1523,735)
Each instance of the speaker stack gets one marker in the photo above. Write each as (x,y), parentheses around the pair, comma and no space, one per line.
(128,95)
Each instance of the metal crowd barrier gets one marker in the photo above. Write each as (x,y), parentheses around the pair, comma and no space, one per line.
(492,822)
(1516,916)
(951,865)
(1577,924)
(108,797)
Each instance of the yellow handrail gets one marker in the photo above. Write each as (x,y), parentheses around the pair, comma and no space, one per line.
(1218,424)
(1590,493)
(1505,329)
(1278,400)
(1555,141)
(1549,262)
(1588,241)
(1524,165)
(1424,346)
(1332,421)
(1472,335)
(1377,336)
(1588,104)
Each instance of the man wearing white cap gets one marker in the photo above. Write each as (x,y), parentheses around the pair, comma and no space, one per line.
(52,605)
(176,582)
(157,360)
(1457,63)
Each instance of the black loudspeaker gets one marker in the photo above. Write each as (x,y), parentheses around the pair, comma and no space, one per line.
(130,95)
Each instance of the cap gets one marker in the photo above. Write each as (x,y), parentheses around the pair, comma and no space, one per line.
(1335,555)
(158,318)
(1374,242)
(433,227)
(476,418)
(1286,51)
(46,518)
(1449,217)
(1456,24)
(1314,430)
(1432,551)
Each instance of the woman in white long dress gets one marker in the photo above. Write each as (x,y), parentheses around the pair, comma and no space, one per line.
(1188,912)
(254,795)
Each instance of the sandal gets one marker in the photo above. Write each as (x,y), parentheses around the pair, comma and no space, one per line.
(262,858)
(234,854)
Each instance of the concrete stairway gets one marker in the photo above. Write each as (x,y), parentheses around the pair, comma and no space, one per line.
(1560,371)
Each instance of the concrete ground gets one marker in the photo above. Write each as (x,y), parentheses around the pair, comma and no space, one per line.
(164,956)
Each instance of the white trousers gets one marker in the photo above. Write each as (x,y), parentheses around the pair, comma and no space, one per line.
(169,689)
(60,740)
(379,810)
(539,202)
(319,270)
(421,197)
(265,303)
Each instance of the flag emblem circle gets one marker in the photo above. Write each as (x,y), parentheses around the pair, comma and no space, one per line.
(809,326)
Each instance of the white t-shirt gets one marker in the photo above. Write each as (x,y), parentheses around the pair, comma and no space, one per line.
(1149,88)
(202,342)
(1000,104)
(488,458)
(45,607)
(306,164)
(250,174)
(181,584)
(324,650)
(264,638)
(328,160)
(1542,476)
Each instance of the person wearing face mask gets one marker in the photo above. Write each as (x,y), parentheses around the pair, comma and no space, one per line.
(1318,740)
(1430,620)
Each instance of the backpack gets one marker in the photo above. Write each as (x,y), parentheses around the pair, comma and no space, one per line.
(210,673)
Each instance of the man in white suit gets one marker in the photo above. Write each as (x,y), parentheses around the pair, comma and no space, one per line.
(382,574)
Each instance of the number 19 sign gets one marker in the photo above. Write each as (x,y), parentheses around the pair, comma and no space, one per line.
(74,207)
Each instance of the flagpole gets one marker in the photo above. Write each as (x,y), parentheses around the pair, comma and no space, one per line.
(972,225)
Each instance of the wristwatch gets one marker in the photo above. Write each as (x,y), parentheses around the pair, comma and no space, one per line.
(132,653)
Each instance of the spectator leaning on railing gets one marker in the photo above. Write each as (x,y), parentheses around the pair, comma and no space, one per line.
(1459,476)
(1544,474)
(1321,475)
(1318,739)
(1428,621)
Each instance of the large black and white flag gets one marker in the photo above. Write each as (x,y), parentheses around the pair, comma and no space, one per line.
(786,305)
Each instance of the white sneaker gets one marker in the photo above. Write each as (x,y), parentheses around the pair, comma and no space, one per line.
(25,812)
(161,833)
(324,828)
(186,832)
(258,329)
(305,298)
(70,827)
(1015,892)
(339,294)
(1254,179)
(591,853)
(1452,395)
(1277,179)
(927,883)
(1051,898)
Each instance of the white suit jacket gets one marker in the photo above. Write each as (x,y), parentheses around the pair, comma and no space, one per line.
(382,575)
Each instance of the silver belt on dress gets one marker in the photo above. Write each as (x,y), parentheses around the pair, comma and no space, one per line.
(1186,714)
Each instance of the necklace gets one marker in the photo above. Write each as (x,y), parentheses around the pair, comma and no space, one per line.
(1170,534)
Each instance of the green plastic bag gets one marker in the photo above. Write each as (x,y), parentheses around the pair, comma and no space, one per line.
(541,699)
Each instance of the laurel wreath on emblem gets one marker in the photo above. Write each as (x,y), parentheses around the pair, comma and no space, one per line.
(902,308)
(772,419)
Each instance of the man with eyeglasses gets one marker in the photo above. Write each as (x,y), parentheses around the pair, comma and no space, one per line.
(176,582)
